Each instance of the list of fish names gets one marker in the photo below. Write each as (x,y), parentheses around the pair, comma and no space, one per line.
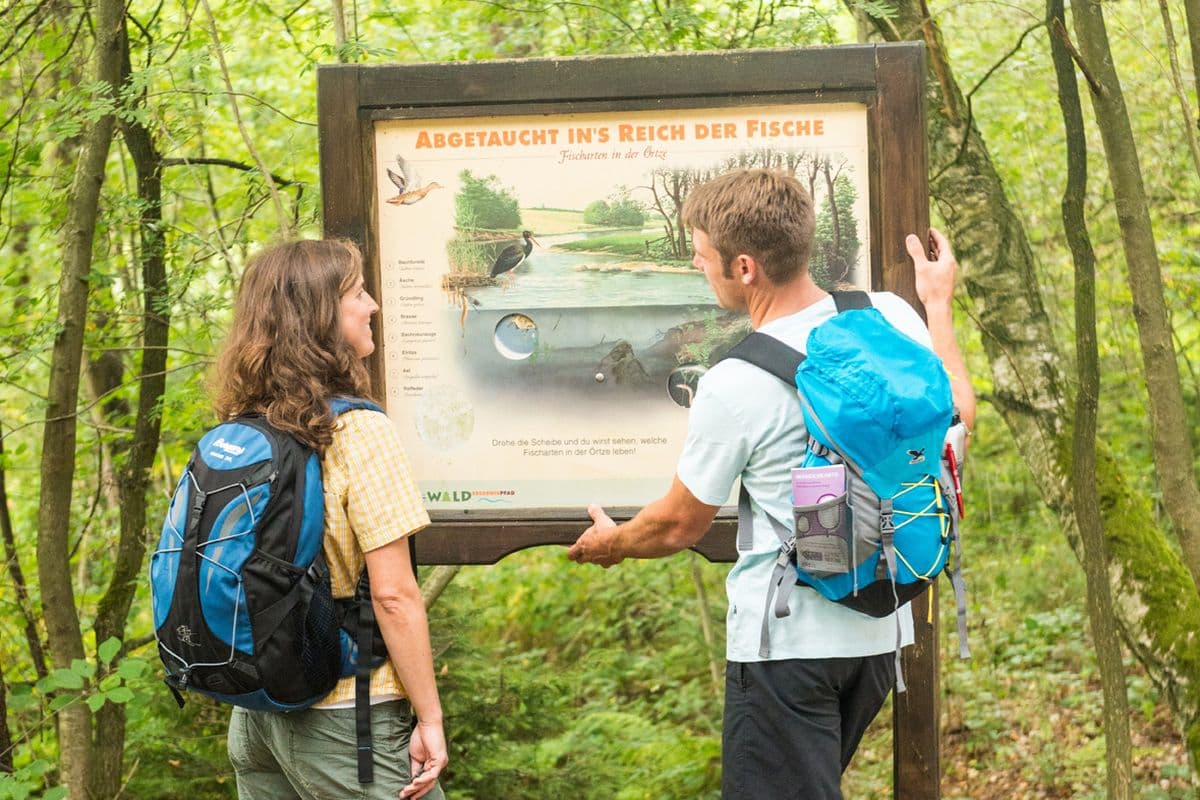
(411,331)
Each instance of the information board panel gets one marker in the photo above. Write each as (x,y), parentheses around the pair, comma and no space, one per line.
(554,369)
(508,360)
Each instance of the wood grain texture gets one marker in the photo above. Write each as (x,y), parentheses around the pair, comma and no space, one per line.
(488,541)
(903,208)
(617,77)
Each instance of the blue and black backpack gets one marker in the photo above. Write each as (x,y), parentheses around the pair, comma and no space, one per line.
(879,403)
(243,611)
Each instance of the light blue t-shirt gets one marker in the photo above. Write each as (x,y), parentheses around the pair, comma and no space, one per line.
(745,423)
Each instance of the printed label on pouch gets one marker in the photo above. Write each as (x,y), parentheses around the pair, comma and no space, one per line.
(812,485)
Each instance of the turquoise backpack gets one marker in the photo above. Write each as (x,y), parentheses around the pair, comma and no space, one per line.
(880,404)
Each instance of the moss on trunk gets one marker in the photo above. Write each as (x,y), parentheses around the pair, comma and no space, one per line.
(1157,604)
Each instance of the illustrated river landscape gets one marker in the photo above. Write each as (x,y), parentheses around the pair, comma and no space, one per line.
(583,324)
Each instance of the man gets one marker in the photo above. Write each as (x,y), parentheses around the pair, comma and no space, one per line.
(794,720)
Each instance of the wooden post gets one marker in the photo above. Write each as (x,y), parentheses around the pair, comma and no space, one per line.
(916,761)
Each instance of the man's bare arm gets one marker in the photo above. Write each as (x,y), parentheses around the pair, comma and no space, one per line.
(672,523)
(935,288)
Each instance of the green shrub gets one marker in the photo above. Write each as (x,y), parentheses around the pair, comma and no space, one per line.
(484,203)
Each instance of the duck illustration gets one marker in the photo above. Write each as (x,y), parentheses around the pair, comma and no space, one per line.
(512,256)
(408,182)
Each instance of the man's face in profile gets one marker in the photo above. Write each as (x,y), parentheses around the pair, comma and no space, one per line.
(726,288)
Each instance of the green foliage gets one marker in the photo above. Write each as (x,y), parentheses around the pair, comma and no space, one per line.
(130,681)
(559,681)
(181,752)
(464,252)
(484,203)
(581,683)
(597,212)
(619,211)
(27,781)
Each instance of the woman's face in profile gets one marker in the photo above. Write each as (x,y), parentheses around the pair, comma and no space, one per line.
(357,308)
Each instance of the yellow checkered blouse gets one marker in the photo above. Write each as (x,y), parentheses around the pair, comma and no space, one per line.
(371,500)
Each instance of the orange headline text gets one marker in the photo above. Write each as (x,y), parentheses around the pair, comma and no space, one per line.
(510,138)
(622,132)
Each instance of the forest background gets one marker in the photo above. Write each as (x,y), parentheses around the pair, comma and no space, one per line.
(148,148)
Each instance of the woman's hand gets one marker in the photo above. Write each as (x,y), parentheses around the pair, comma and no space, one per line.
(428,757)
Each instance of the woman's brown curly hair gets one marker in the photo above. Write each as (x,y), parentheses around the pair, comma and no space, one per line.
(285,355)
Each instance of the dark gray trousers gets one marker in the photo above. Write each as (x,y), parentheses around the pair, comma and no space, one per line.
(792,726)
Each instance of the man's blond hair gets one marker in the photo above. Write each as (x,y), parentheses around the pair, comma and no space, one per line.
(761,213)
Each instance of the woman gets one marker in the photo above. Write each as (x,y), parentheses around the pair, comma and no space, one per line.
(301,327)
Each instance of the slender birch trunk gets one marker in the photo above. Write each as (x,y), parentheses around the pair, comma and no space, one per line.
(58,439)
(1191,10)
(1085,495)
(1174,456)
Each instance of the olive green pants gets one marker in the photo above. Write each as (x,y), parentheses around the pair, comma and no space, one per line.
(311,755)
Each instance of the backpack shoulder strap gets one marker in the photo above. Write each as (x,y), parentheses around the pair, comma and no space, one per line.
(366,632)
(768,354)
(772,356)
(850,300)
(340,404)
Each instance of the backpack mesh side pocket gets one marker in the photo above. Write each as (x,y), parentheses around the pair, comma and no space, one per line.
(320,647)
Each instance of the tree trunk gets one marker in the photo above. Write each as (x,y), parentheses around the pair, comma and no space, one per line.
(1169,429)
(339,30)
(706,627)
(134,476)
(104,374)
(1158,608)
(436,583)
(1177,83)
(11,555)
(58,440)
(6,742)
(1192,10)
(835,249)
(1085,497)
(814,167)
(678,191)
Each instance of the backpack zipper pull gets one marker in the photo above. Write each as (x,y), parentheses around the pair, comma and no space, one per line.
(178,697)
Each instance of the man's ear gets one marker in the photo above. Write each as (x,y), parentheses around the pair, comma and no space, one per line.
(745,269)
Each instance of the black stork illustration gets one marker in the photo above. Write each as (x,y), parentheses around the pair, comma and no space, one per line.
(406,180)
(513,255)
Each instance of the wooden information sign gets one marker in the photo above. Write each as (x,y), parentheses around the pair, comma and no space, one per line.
(541,328)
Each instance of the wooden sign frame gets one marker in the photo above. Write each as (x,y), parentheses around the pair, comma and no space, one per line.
(888,79)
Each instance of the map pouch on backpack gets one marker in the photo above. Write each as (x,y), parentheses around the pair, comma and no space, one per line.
(877,407)
(821,520)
